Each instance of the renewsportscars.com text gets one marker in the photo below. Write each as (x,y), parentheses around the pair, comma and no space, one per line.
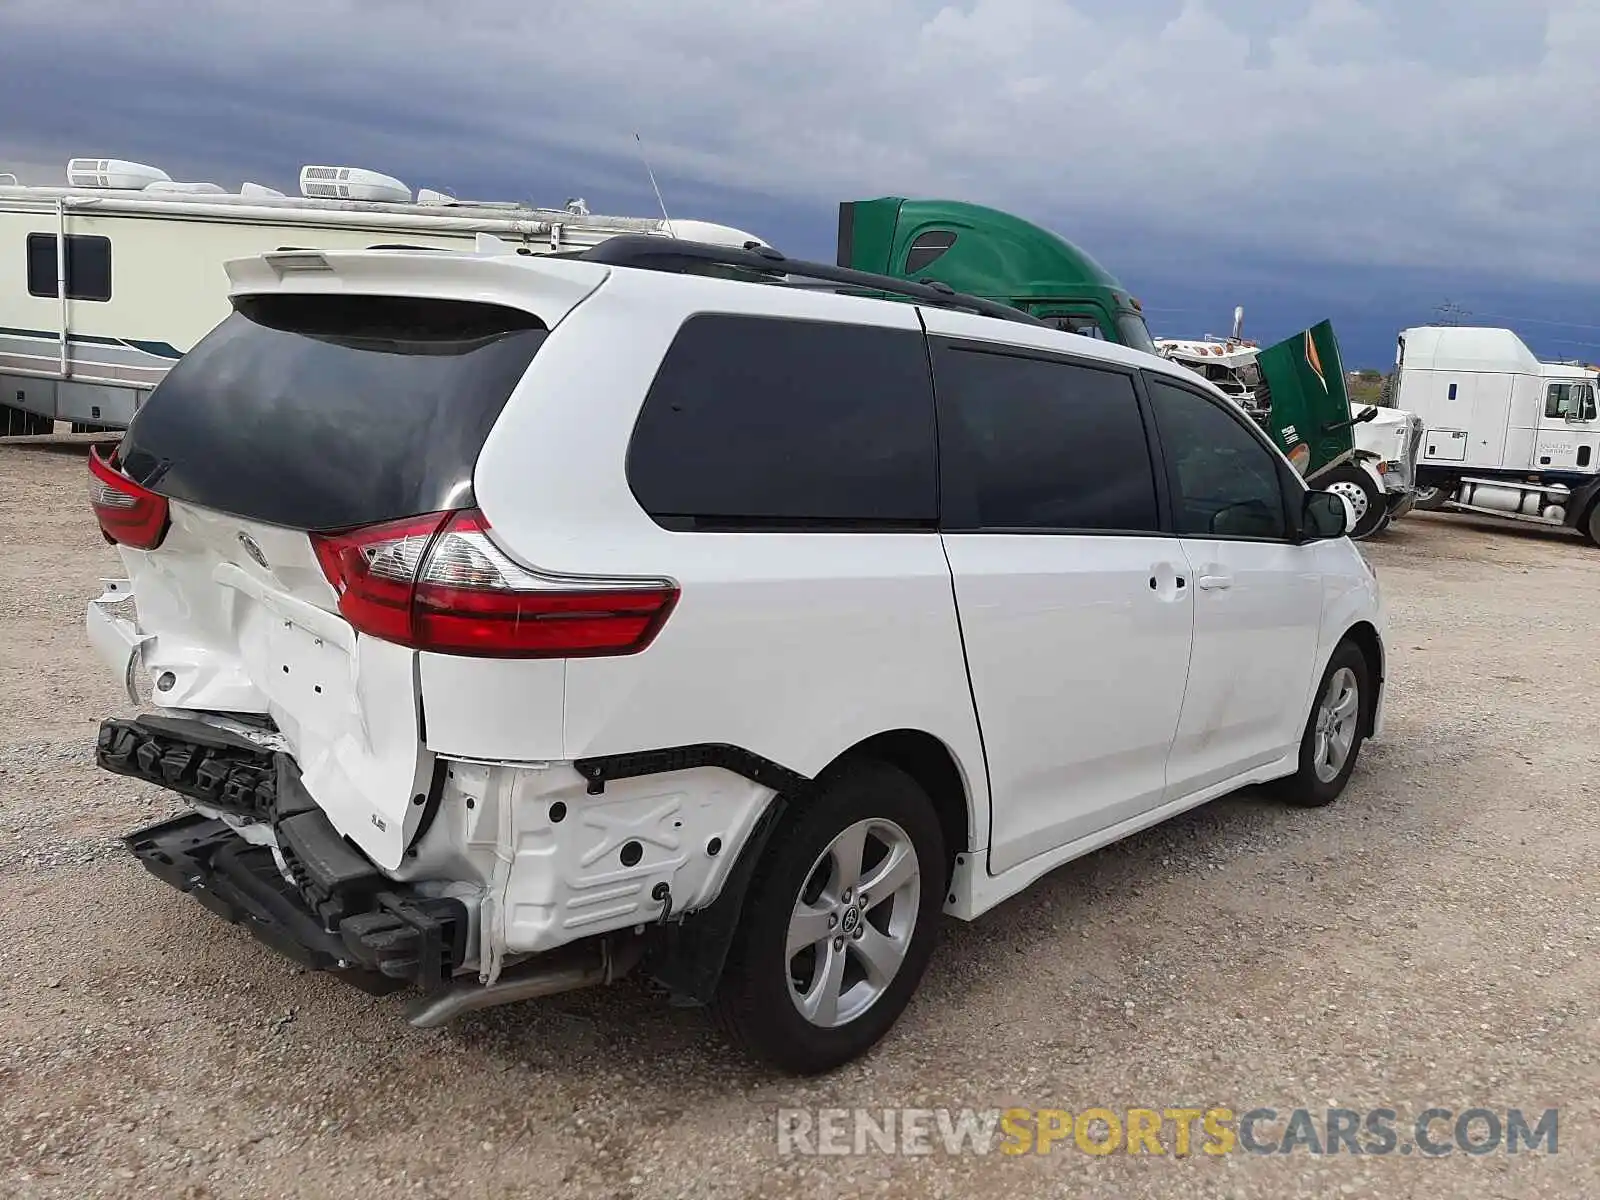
(1433,1132)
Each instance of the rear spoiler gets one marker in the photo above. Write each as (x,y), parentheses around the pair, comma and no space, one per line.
(543,285)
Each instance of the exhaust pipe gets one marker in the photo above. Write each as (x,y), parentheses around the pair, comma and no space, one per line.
(535,980)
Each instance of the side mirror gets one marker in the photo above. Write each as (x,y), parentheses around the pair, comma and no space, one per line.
(1367,414)
(1325,515)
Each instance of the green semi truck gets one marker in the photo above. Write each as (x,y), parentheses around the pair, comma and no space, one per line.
(1301,399)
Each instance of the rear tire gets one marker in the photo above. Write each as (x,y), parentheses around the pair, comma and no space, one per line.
(814,978)
(1590,525)
(1334,731)
(1432,499)
(1363,493)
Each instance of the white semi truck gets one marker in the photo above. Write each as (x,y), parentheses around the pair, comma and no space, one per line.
(1504,433)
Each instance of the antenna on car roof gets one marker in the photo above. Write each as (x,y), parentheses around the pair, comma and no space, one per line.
(654,184)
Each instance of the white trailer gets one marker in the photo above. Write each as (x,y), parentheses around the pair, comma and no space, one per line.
(116,276)
(1504,433)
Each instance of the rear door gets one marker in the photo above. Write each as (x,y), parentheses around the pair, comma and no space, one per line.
(1257,594)
(304,414)
(1074,604)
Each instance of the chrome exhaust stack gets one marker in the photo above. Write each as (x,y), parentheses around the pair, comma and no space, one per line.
(548,975)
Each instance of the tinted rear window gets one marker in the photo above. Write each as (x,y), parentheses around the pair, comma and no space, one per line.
(322,412)
(760,422)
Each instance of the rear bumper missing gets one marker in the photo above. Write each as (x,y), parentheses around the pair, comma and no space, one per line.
(270,861)
(401,940)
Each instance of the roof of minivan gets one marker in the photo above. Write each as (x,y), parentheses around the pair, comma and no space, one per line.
(550,286)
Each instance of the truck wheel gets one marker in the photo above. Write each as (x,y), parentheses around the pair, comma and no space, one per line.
(1431,499)
(19,422)
(1591,524)
(1334,731)
(839,924)
(1363,493)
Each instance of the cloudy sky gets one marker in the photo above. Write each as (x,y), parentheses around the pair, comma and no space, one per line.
(1360,159)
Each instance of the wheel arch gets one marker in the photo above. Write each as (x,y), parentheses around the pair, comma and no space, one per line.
(687,957)
(1365,638)
(929,761)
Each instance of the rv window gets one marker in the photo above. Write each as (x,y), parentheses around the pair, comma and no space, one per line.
(88,266)
(926,248)
(1452,391)
(1572,401)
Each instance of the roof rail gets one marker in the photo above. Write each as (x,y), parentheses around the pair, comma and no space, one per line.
(766,265)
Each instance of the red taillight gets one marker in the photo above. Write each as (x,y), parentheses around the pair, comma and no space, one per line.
(128,513)
(440,583)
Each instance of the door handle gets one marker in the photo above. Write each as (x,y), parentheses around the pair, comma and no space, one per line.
(1215,583)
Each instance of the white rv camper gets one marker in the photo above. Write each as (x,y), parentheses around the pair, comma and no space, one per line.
(1380,483)
(115,276)
(1506,434)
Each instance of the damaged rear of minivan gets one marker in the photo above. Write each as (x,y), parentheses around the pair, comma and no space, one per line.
(294,509)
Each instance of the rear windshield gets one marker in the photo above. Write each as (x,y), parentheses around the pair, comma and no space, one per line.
(324,412)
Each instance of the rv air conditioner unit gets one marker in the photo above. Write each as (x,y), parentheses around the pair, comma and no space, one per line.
(259,191)
(351,183)
(431,196)
(186,189)
(113,173)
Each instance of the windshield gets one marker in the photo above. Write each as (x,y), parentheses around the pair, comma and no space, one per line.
(1134,332)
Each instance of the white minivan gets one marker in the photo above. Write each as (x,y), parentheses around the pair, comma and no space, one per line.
(508,624)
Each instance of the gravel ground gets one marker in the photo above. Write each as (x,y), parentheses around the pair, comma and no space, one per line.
(1429,940)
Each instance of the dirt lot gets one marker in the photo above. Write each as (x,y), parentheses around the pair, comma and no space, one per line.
(1429,940)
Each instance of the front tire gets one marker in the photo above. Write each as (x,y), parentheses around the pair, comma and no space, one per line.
(1362,491)
(816,976)
(1334,732)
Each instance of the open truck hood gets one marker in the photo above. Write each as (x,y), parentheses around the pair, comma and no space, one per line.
(1311,414)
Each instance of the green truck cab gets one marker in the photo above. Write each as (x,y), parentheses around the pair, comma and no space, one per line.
(988,253)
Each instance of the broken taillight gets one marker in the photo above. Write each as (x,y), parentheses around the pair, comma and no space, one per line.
(128,513)
(439,582)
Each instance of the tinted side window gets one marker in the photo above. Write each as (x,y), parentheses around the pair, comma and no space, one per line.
(926,248)
(1034,443)
(1225,483)
(757,422)
(88,266)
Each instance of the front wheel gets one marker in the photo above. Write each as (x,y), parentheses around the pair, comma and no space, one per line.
(1334,732)
(840,924)
(1362,491)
